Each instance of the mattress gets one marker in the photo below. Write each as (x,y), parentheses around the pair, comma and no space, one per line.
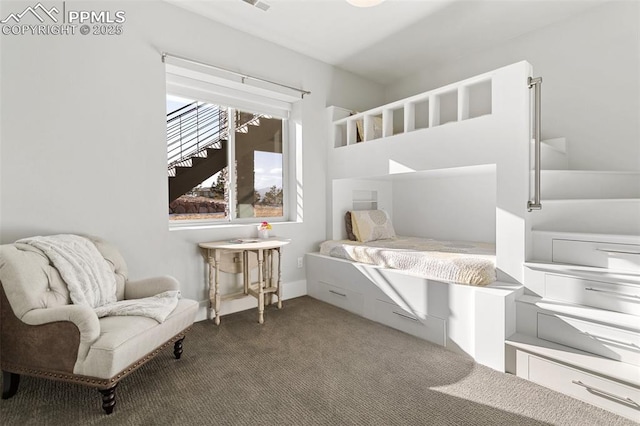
(461,262)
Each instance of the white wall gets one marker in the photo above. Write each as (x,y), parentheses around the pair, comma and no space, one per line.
(591,91)
(83,135)
(458,204)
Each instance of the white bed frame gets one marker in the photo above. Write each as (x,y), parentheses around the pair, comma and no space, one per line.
(482,131)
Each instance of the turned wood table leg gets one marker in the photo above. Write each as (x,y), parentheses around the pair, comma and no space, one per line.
(269,274)
(279,278)
(108,398)
(245,271)
(216,280)
(10,383)
(260,286)
(177,348)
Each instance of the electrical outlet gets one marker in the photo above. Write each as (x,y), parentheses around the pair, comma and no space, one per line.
(300,262)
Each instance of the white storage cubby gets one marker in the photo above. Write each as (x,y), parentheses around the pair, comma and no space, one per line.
(454,103)
(364,199)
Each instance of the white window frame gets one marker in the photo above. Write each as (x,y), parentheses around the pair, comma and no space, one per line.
(196,85)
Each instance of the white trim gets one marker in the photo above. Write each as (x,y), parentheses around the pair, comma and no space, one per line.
(259,83)
(186,77)
(231,167)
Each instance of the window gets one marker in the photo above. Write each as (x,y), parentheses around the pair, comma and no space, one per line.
(200,146)
(227,150)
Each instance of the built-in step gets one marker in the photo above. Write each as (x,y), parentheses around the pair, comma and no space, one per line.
(553,154)
(584,285)
(530,306)
(606,383)
(544,243)
(588,184)
(604,216)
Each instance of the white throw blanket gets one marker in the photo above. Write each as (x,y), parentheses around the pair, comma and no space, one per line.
(87,274)
(157,307)
(91,281)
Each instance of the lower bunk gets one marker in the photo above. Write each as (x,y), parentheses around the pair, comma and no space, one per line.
(466,319)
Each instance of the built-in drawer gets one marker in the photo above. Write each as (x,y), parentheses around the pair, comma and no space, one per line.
(614,343)
(623,298)
(338,296)
(423,326)
(600,391)
(625,257)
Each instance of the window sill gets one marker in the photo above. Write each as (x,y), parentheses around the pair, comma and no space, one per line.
(190,226)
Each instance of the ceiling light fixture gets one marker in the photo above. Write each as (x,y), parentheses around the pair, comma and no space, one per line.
(364,3)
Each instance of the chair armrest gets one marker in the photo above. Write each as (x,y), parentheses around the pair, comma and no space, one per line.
(150,287)
(82,316)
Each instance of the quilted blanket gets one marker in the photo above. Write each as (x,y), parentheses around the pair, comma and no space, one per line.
(462,262)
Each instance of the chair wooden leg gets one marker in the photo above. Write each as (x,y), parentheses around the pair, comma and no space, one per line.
(108,398)
(177,348)
(10,382)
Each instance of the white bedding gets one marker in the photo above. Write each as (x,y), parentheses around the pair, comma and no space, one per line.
(461,262)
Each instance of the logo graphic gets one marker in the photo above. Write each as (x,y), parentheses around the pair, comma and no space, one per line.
(40,20)
(16,17)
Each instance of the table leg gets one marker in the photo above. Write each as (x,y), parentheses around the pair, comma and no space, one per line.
(279,278)
(245,271)
(269,274)
(216,306)
(212,283)
(260,287)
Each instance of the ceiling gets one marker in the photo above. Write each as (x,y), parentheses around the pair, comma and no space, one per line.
(394,39)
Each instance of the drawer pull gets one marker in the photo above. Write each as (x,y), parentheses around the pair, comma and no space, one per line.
(637,253)
(622,399)
(406,316)
(615,293)
(337,293)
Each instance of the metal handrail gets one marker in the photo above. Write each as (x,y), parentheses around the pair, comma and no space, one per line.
(536,83)
(197,126)
(192,129)
(181,108)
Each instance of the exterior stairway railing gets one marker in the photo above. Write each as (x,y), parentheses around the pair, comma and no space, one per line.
(198,126)
(194,128)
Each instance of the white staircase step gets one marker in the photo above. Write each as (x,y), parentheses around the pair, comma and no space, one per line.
(558,144)
(543,241)
(602,216)
(588,184)
(553,154)
(599,288)
(626,373)
(586,272)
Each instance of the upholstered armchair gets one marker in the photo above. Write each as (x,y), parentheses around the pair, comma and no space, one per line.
(43,334)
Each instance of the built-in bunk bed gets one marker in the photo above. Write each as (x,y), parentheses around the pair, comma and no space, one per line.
(436,186)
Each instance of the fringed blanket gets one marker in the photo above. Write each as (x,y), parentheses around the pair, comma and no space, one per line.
(91,281)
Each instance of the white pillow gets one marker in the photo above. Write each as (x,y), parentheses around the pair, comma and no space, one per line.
(371,225)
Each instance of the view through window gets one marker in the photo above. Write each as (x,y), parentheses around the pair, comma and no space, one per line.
(203,139)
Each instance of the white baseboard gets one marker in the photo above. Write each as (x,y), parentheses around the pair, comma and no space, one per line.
(290,290)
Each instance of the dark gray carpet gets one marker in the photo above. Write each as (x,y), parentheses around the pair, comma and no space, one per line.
(309,364)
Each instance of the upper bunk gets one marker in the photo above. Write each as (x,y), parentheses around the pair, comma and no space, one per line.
(480,120)
(478,123)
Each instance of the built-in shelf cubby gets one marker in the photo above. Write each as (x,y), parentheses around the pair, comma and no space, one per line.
(364,199)
(457,102)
